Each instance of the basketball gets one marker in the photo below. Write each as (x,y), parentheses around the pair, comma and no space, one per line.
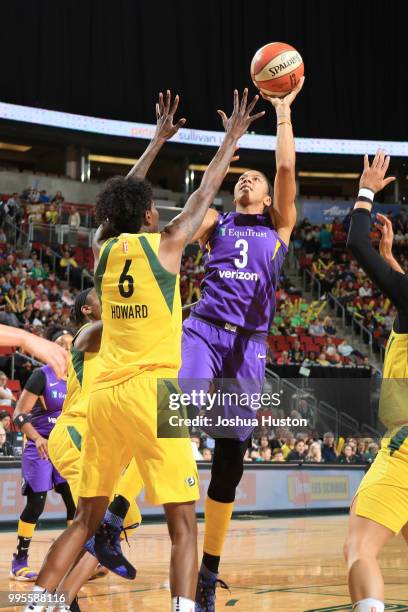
(276,69)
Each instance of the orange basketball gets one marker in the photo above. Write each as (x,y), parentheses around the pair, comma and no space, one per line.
(276,69)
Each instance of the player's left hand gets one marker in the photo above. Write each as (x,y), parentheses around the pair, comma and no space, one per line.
(373,176)
(387,235)
(165,111)
(286,100)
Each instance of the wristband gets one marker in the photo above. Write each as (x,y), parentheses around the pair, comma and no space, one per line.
(20,420)
(366,194)
(284,121)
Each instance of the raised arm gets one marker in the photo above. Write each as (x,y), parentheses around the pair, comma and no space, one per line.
(183,228)
(393,283)
(283,210)
(165,129)
(387,239)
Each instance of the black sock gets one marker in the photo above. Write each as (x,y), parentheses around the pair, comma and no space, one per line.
(22,547)
(211,562)
(119,506)
(74,607)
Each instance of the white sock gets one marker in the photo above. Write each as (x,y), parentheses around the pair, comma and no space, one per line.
(181,604)
(368,605)
(36,607)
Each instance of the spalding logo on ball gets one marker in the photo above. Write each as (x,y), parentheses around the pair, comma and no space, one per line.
(276,69)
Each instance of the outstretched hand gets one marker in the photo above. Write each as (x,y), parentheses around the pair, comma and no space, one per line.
(165,111)
(238,123)
(373,176)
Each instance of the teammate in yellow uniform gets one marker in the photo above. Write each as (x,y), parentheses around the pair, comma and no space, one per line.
(65,448)
(137,277)
(380,507)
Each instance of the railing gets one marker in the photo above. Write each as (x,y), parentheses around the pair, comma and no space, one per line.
(60,234)
(363,330)
(313,281)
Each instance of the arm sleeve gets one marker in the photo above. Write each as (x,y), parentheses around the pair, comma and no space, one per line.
(36,383)
(392,283)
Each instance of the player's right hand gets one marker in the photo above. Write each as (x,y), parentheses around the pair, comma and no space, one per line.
(165,111)
(42,447)
(241,117)
(46,351)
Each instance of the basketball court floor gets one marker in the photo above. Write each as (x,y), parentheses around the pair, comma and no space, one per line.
(271,565)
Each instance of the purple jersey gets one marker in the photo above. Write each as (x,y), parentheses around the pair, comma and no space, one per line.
(45,413)
(243,264)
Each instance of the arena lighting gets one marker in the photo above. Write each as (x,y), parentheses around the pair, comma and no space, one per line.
(204,138)
(231,170)
(109,159)
(9,146)
(340,175)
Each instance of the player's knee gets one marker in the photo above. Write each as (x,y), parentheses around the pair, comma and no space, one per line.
(357,547)
(183,529)
(34,508)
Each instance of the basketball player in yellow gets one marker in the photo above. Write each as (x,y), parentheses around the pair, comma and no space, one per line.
(137,277)
(64,446)
(380,507)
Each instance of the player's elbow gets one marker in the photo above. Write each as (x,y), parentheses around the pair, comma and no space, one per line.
(285,167)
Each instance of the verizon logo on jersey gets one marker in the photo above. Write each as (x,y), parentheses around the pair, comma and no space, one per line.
(239,275)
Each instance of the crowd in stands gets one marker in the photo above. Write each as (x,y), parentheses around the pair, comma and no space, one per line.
(284,446)
(322,250)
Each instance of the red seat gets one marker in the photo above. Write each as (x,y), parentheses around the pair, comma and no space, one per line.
(6,350)
(14,385)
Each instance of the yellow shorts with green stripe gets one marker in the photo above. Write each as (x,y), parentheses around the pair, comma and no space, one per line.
(64,448)
(383,493)
(122,424)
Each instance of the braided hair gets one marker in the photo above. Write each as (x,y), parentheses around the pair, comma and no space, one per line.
(77,315)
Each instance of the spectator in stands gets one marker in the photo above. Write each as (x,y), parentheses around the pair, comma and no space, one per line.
(325,239)
(207,454)
(8,317)
(31,261)
(316,328)
(38,272)
(51,215)
(329,328)
(361,453)
(298,452)
(44,198)
(283,358)
(311,360)
(365,290)
(74,219)
(6,396)
(329,452)
(314,454)
(347,456)
(321,360)
(277,456)
(5,421)
(265,454)
(372,451)
(67,260)
(67,298)
(58,199)
(54,295)
(263,442)
(296,354)
(255,456)
(3,237)
(6,450)
(344,348)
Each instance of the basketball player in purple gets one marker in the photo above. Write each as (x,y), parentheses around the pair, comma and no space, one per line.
(225,335)
(36,413)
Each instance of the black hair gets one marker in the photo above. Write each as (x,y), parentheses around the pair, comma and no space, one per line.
(122,204)
(56,331)
(77,316)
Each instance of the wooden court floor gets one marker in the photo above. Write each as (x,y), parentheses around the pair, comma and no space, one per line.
(279,565)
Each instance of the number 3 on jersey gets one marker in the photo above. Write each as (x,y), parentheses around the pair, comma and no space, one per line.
(126,282)
(243,260)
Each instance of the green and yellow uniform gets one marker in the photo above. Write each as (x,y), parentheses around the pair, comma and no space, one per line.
(65,441)
(141,343)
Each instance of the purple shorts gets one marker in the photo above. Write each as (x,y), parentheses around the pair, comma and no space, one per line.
(235,363)
(40,474)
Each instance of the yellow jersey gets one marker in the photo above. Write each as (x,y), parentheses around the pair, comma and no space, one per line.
(82,370)
(141,310)
(394,396)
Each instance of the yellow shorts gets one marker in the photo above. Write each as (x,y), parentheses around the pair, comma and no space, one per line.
(64,448)
(122,423)
(383,493)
